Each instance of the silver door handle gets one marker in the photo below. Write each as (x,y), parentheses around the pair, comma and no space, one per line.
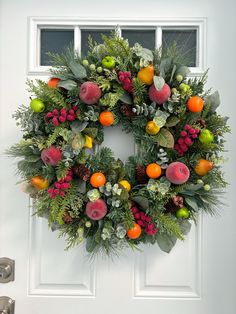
(7,270)
(7,305)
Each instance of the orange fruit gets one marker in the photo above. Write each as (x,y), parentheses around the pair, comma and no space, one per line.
(39,183)
(152,128)
(106,118)
(146,75)
(52,83)
(195,104)
(203,167)
(134,232)
(153,171)
(97,179)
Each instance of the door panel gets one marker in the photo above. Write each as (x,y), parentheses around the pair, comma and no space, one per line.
(198,276)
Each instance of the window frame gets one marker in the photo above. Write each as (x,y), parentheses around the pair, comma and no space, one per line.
(35,24)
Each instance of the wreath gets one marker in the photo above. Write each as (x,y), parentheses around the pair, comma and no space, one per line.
(82,189)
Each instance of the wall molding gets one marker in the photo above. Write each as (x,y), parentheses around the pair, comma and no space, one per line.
(191,289)
(36,284)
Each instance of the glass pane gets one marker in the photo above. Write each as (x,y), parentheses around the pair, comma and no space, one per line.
(146,38)
(54,40)
(186,41)
(95,34)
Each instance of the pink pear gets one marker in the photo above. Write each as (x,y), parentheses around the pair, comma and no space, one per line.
(177,173)
(51,156)
(159,96)
(90,93)
(96,210)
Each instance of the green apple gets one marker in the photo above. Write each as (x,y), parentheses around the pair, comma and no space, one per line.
(182,213)
(108,62)
(206,137)
(37,105)
(179,78)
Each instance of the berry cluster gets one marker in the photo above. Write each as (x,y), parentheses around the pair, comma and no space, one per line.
(144,221)
(186,139)
(125,78)
(61,116)
(61,185)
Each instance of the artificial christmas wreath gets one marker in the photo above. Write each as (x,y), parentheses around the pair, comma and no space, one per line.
(81,188)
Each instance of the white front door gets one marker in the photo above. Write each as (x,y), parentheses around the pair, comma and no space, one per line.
(198,276)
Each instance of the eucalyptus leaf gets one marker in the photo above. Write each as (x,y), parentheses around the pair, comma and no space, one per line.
(78,70)
(68,84)
(81,187)
(172,121)
(185,226)
(192,202)
(77,126)
(165,138)
(141,201)
(166,242)
(147,54)
(158,82)
(213,101)
(126,98)
(194,187)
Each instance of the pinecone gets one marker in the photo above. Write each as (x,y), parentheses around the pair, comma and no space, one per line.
(178,201)
(171,207)
(140,174)
(127,111)
(67,218)
(81,171)
(202,122)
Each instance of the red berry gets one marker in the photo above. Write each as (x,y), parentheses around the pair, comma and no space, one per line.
(68,178)
(184,147)
(148,219)
(55,121)
(187,127)
(183,133)
(194,135)
(188,141)
(192,131)
(57,185)
(75,107)
(69,117)
(63,112)
(49,115)
(134,209)
(55,112)
(65,186)
(71,111)
(56,191)
(62,119)
(62,194)
(140,222)
(181,141)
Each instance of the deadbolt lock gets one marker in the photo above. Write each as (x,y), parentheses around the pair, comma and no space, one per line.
(7,305)
(7,270)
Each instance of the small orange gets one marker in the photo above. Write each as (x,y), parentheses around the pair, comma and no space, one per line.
(195,104)
(153,171)
(106,118)
(39,183)
(97,179)
(53,82)
(203,167)
(146,75)
(134,232)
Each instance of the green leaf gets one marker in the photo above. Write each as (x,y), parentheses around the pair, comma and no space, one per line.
(213,101)
(68,84)
(185,226)
(141,201)
(92,132)
(158,82)
(172,73)
(90,244)
(165,138)
(78,70)
(126,98)
(77,126)
(192,202)
(147,54)
(165,66)
(172,121)
(166,242)
(183,70)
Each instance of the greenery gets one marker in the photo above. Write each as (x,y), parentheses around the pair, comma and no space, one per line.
(60,150)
